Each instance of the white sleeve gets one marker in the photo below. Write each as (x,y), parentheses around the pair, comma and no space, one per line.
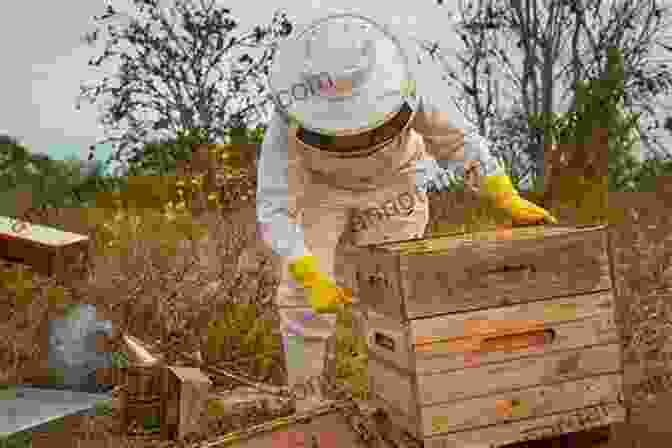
(277,213)
(438,116)
(437,120)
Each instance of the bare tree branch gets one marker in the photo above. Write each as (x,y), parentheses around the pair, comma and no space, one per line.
(164,84)
(558,44)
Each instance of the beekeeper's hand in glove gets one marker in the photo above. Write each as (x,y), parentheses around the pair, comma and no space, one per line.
(325,295)
(523,212)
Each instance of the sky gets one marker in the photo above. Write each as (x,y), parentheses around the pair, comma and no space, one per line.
(48,62)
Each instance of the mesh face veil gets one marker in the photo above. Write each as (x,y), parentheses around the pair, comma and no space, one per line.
(345,51)
(341,75)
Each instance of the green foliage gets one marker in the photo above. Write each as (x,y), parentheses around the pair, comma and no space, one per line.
(351,355)
(203,37)
(120,360)
(599,106)
(152,423)
(20,282)
(55,377)
(239,327)
(50,182)
(7,392)
(244,135)
(649,171)
(161,157)
(104,409)
(19,440)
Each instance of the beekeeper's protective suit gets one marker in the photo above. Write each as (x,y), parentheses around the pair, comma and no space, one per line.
(352,145)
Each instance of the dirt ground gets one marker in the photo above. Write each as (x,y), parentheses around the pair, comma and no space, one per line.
(650,429)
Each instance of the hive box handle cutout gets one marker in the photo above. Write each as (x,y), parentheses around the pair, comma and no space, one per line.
(384,341)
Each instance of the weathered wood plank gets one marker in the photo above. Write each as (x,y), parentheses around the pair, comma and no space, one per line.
(400,419)
(388,339)
(458,282)
(380,293)
(528,403)
(527,372)
(392,385)
(512,319)
(531,429)
(591,322)
(600,330)
(459,240)
(395,388)
(469,275)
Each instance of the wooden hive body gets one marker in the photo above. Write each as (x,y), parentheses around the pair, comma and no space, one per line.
(493,338)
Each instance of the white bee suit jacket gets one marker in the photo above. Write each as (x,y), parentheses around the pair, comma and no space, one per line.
(289,169)
(308,197)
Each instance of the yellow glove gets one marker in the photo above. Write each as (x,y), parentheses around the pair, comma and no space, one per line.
(325,295)
(522,211)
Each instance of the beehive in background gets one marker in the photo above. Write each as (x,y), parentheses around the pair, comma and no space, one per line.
(47,250)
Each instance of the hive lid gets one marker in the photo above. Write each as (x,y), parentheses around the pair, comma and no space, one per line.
(47,236)
(447,242)
(25,408)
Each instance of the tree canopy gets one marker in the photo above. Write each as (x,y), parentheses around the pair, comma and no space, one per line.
(182,71)
(523,58)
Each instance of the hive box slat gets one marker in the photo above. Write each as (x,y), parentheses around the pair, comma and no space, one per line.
(568,336)
(409,393)
(460,273)
(526,372)
(496,436)
(443,343)
(517,405)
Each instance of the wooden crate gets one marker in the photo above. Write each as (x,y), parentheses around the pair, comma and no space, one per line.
(426,277)
(141,398)
(47,250)
(451,373)
(185,393)
(142,416)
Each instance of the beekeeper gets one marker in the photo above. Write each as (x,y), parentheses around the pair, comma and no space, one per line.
(352,132)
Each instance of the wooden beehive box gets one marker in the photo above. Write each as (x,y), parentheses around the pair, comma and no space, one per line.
(47,250)
(184,397)
(495,337)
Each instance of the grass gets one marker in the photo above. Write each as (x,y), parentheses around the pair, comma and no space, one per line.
(152,423)
(119,360)
(104,409)
(20,440)
(351,356)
